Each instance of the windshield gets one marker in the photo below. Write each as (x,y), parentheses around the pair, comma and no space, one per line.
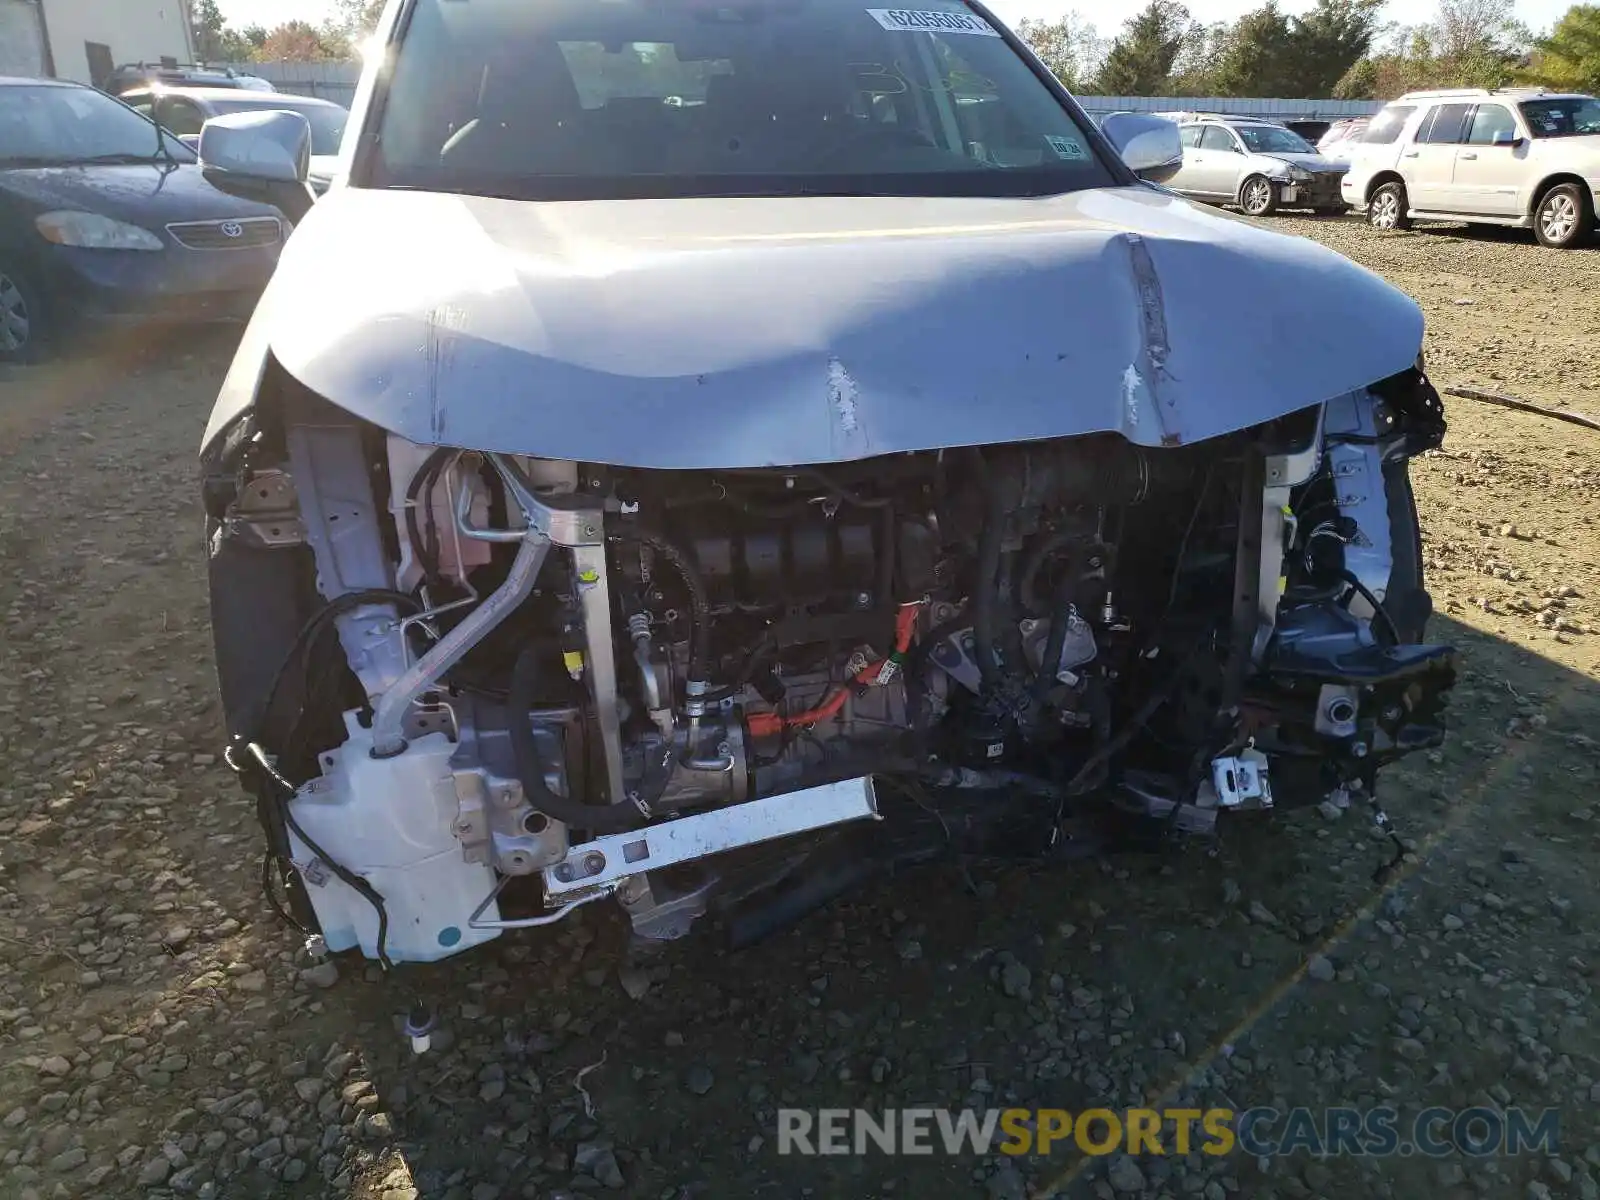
(327,120)
(1269,139)
(1574,116)
(587,99)
(51,125)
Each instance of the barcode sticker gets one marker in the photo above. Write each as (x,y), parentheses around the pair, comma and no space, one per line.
(908,20)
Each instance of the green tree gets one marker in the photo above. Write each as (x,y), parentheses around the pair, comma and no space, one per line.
(1193,72)
(1141,60)
(1465,30)
(1330,40)
(1569,58)
(356,18)
(1257,56)
(215,41)
(209,28)
(1470,43)
(1070,46)
(301,41)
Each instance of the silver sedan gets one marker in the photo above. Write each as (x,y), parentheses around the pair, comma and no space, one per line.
(1257,165)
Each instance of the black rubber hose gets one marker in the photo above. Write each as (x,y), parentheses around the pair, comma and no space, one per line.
(1034,564)
(699,605)
(427,474)
(1387,626)
(986,588)
(341,604)
(752,660)
(609,818)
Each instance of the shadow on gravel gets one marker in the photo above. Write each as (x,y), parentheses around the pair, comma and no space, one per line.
(78,378)
(148,999)
(1494,235)
(1140,979)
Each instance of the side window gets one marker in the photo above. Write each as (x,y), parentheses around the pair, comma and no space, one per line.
(1446,127)
(1218,138)
(1386,126)
(181,116)
(142,103)
(1490,121)
(1189,135)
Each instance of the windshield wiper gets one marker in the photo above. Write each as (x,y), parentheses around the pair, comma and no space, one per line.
(116,159)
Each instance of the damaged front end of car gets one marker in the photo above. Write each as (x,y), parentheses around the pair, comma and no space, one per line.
(473,689)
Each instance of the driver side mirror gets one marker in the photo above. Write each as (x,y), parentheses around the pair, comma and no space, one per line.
(1507,137)
(264,156)
(1150,145)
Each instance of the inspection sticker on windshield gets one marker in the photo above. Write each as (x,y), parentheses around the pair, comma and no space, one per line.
(1068,148)
(912,21)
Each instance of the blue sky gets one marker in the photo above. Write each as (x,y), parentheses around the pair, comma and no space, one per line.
(1107,14)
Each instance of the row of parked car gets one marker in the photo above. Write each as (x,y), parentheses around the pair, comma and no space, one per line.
(106,216)
(1520,157)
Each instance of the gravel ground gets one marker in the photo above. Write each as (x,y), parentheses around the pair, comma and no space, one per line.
(158,1036)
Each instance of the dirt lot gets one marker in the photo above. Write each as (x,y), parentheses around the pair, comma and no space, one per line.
(157,1037)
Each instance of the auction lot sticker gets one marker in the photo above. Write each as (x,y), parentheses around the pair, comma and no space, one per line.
(911,21)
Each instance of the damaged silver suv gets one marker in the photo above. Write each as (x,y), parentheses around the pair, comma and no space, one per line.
(701,453)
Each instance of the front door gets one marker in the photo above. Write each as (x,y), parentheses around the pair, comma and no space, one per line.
(1184,180)
(1217,164)
(1491,164)
(1429,163)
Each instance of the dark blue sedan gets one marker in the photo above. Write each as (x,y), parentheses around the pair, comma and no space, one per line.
(104,218)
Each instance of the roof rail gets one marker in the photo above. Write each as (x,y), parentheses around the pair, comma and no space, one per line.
(1183,117)
(1475,93)
(130,76)
(221,69)
(1446,93)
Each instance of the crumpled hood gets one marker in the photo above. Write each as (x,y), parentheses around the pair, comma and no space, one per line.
(1316,163)
(752,332)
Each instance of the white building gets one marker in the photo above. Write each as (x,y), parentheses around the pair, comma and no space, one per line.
(85,39)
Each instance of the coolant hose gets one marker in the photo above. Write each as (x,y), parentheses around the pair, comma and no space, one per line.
(1049,665)
(699,606)
(610,818)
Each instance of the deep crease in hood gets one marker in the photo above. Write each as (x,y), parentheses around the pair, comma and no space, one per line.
(754,332)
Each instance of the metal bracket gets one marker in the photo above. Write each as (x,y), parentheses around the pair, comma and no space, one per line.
(1242,779)
(660,911)
(567,519)
(576,523)
(605,862)
(1282,474)
(267,511)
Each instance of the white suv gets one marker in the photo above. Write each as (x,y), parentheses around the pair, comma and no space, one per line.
(1521,157)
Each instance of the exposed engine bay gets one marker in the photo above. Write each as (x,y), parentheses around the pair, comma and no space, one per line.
(473,691)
